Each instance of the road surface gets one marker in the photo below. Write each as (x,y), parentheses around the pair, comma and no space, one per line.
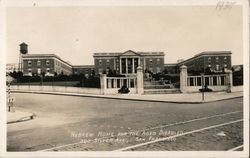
(69,123)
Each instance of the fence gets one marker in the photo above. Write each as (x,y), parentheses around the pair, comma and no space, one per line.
(115,83)
(111,85)
(218,82)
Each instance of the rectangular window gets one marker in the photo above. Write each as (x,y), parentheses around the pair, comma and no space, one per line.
(206,81)
(100,62)
(100,71)
(118,83)
(38,63)
(217,67)
(112,83)
(29,63)
(191,81)
(215,81)
(125,82)
(132,85)
(198,81)
(222,80)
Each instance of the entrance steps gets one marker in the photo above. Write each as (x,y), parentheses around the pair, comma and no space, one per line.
(161,91)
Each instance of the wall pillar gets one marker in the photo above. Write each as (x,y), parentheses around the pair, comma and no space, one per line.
(103,80)
(229,80)
(140,88)
(120,66)
(126,65)
(183,78)
(133,65)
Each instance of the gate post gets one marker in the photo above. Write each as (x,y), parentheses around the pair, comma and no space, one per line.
(140,88)
(183,78)
(103,80)
(229,80)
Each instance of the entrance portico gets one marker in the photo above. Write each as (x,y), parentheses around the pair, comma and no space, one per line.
(128,65)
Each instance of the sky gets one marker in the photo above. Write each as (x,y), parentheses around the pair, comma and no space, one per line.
(75,33)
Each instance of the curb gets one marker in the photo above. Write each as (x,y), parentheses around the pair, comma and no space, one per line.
(131,99)
(22,119)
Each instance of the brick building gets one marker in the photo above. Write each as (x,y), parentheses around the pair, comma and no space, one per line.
(216,61)
(124,63)
(47,64)
(87,70)
(127,62)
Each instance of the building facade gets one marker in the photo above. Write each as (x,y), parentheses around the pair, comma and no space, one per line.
(86,70)
(127,62)
(215,61)
(11,67)
(44,64)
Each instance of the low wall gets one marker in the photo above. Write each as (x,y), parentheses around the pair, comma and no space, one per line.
(190,89)
(58,89)
(115,91)
(237,89)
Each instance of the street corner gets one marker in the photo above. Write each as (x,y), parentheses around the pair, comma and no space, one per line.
(19,116)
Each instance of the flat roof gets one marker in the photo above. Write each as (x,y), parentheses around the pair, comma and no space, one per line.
(44,55)
(206,53)
(83,66)
(115,54)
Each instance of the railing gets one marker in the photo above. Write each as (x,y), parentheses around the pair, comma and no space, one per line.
(118,82)
(209,80)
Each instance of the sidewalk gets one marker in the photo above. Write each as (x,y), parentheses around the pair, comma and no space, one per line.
(192,98)
(18,116)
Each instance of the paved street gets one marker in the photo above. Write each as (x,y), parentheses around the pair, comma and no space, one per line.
(86,121)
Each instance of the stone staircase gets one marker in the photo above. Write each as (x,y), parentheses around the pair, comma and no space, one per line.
(161,91)
(155,87)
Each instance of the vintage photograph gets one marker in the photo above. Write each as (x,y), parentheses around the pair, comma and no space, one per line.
(125,78)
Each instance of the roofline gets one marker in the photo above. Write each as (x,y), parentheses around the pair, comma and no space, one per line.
(205,54)
(85,66)
(46,55)
(108,54)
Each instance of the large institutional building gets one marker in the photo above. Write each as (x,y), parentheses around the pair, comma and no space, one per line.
(125,63)
(216,61)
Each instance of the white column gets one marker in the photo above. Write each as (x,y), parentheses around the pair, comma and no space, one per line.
(133,65)
(103,81)
(139,84)
(139,61)
(183,78)
(126,65)
(120,66)
(144,64)
(195,81)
